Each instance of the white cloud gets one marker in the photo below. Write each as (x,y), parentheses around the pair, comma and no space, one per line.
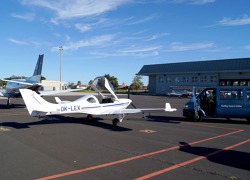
(83,27)
(201,2)
(157,36)
(247,47)
(146,19)
(95,41)
(138,50)
(29,42)
(17,41)
(27,16)
(178,46)
(245,20)
(77,8)
(195,2)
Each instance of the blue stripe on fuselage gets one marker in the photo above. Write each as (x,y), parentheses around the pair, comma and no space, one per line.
(109,105)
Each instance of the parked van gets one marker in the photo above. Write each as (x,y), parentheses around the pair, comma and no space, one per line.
(219,102)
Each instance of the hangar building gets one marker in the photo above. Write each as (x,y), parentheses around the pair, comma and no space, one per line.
(164,78)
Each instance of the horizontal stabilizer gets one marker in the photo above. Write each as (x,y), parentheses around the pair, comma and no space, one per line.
(59,101)
(134,111)
(168,108)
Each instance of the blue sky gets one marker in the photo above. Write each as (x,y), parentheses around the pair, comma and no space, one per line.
(118,37)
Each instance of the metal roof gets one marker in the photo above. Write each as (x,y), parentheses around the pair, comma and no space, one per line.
(225,65)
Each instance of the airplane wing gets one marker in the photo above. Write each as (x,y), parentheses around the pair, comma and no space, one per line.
(134,111)
(46,93)
(19,82)
(3,94)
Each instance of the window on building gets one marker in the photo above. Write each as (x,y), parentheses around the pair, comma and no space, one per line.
(248,94)
(236,83)
(222,83)
(176,80)
(161,80)
(185,79)
(243,83)
(168,79)
(203,79)
(213,79)
(194,79)
(229,83)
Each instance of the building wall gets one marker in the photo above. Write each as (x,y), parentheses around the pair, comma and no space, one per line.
(166,83)
(50,85)
(152,84)
(235,75)
(163,83)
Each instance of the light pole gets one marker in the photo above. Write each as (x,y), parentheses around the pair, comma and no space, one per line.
(60,49)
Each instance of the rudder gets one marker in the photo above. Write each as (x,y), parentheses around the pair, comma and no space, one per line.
(33,101)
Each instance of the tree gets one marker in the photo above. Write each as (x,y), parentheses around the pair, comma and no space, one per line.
(79,83)
(113,80)
(137,83)
(2,83)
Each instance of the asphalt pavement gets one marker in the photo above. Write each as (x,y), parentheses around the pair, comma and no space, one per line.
(163,145)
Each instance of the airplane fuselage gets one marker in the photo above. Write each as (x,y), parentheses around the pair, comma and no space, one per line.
(86,107)
(95,109)
(12,88)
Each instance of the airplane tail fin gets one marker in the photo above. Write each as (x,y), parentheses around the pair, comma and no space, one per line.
(38,71)
(168,108)
(39,66)
(35,104)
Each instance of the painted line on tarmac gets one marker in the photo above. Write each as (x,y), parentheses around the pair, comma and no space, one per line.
(4,129)
(190,161)
(142,156)
(211,126)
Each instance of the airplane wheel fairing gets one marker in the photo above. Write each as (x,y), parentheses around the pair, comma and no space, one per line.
(115,121)
(89,117)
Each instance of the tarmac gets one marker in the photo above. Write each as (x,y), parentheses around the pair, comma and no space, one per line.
(162,146)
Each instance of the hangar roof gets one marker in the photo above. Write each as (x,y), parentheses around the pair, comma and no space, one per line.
(225,65)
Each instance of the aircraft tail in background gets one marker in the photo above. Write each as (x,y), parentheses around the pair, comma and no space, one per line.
(38,71)
(39,66)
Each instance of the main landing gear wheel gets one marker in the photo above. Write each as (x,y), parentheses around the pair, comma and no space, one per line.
(115,121)
(89,117)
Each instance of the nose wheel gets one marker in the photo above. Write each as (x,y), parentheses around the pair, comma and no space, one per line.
(89,117)
(115,121)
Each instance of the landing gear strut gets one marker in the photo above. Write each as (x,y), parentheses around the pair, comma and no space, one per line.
(116,120)
(8,102)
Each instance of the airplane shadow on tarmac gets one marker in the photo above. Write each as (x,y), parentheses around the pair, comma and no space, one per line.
(164,119)
(66,120)
(230,158)
(5,106)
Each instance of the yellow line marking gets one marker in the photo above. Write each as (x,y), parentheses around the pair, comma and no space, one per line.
(4,129)
(147,131)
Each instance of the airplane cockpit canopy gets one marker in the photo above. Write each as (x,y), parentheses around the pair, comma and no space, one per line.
(102,85)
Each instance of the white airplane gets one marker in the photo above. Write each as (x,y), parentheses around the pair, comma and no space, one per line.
(33,82)
(88,104)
